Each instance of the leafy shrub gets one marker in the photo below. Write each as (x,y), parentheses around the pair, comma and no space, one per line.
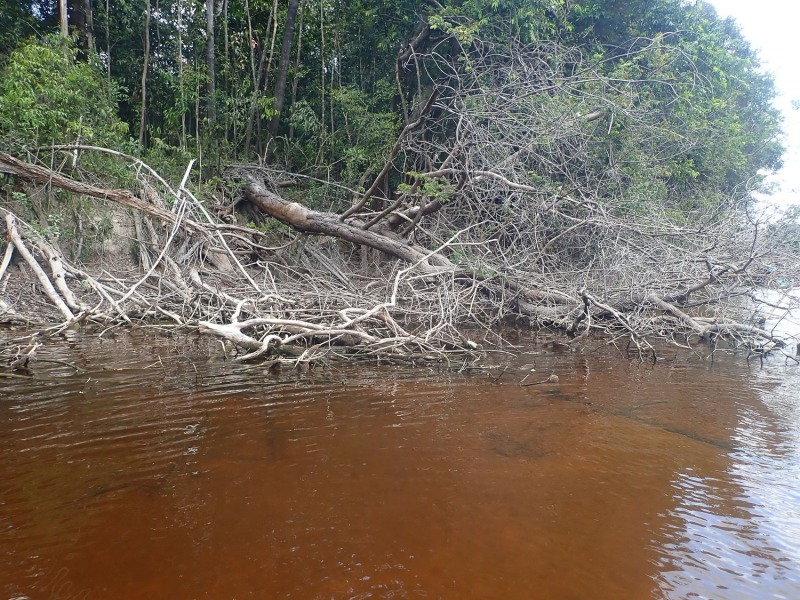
(47,96)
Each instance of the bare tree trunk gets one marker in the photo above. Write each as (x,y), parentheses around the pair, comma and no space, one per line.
(108,39)
(63,21)
(89,26)
(296,78)
(15,238)
(322,65)
(227,64)
(198,141)
(211,60)
(252,42)
(260,76)
(225,29)
(283,66)
(332,79)
(181,82)
(76,15)
(43,175)
(143,120)
(158,26)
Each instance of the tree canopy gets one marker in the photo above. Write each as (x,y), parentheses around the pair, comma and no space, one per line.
(351,73)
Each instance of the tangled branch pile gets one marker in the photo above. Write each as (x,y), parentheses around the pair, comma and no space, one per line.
(198,273)
(525,185)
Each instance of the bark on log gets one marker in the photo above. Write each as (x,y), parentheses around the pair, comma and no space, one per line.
(59,276)
(310,221)
(306,220)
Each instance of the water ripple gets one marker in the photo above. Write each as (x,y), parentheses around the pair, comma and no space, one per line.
(168,472)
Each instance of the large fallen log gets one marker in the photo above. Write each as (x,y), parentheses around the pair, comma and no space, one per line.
(306,220)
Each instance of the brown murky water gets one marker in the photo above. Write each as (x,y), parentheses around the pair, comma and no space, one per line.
(154,473)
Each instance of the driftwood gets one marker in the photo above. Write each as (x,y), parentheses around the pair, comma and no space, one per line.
(45,176)
(241,304)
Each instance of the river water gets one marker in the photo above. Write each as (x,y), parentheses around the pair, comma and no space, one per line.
(144,467)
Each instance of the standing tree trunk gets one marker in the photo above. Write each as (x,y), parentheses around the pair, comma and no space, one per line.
(198,142)
(108,40)
(89,25)
(283,66)
(210,60)
(252,42)
(226,69)
(296,78)
(322,74)
(181,81)
(63,21)
(143,120)
(76,15)
(259,76)
(80,18)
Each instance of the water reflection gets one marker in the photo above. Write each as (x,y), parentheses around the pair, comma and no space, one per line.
(163,474)
(739,535)
(777,319)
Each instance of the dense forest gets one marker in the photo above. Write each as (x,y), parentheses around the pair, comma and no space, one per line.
(388,179)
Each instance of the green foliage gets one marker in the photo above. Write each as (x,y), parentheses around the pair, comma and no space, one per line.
(365,134)
(47,96)
(704,121)
(361,137)
(688,109)
(524,21)
(464,33)
(435,189)
(266,105)
(270,227)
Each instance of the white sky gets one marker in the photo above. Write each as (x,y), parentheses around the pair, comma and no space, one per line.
(772,28)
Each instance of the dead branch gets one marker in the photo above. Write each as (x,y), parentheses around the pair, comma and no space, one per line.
(47,286)
(45,176)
